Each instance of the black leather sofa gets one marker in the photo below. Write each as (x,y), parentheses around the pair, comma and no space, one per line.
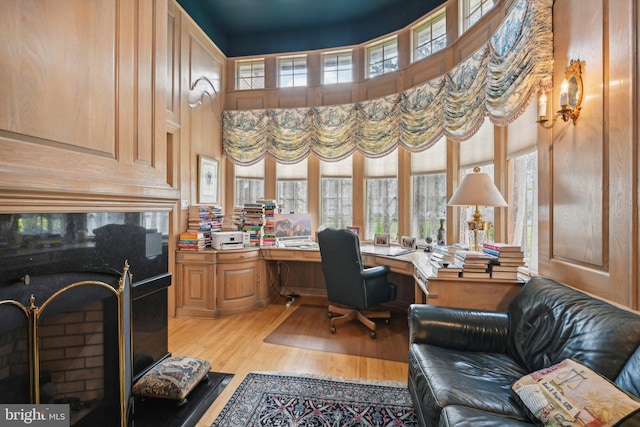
(462,363)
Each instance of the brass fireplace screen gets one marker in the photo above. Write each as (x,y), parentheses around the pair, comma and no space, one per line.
(74,347)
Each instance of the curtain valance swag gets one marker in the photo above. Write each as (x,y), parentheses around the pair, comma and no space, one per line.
(498,81)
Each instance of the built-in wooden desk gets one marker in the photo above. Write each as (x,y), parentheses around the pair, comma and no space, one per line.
(484,294)
(213,283)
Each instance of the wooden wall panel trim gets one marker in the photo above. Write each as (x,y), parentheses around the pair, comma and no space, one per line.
(49,42)
(588,173)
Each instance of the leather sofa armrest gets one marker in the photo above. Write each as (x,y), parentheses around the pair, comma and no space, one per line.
(458,328)
(371,272)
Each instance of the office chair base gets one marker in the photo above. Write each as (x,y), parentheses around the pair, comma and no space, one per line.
(364,317)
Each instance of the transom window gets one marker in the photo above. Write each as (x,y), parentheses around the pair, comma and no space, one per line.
(337,67)
(383,57)
(473,10)
(292,71)
(250,74)
(430,36)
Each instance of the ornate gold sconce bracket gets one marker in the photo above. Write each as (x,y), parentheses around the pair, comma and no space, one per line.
(571,93)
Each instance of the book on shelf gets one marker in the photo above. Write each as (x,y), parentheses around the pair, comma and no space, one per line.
(476,274)
(502,247)
(506,275)
(500,267)
(475,267)
(500,254)
(445,270)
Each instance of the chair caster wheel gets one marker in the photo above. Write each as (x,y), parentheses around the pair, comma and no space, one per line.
(373,335)
(333,329)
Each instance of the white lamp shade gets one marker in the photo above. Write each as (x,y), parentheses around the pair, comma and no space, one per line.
(477,189)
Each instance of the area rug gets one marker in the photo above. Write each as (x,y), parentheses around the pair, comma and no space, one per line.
(309,327)
(265,400)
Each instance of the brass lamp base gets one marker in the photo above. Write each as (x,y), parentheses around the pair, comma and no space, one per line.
(476,225)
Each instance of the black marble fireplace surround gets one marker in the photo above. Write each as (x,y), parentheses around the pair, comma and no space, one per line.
(41,253)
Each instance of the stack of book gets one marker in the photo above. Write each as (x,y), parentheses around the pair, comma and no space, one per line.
(191,241)
(206,220)
(444,269)
(236,216)
(475,265)
(508,259)
(253,222)
(216,217)
(269,231)
(445,253)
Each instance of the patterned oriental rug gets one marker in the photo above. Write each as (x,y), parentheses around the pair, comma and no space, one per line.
(284,400)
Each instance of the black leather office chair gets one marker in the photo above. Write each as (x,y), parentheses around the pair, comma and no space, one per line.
(349,283)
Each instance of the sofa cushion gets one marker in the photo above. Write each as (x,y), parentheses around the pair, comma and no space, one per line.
(629,377)
(439,377)
(462,416)
(570,394)
(551,322)
(172,378)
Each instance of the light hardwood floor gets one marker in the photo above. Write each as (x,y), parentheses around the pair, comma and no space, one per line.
(235,345)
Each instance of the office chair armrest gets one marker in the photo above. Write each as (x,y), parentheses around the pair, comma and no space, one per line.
(370,273)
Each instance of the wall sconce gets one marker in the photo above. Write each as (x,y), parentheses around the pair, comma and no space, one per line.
(477,189)
(197,95)
(570,97)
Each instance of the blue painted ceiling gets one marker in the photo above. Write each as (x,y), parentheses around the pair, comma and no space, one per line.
(258,27)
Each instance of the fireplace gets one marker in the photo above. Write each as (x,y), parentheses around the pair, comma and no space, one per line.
(75,329)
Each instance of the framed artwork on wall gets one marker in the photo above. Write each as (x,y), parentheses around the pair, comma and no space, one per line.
(207,180)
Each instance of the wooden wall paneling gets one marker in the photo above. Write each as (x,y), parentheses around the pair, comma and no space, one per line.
(292,98)
(174,33)
(314,193)
(500,173)
(591,209)
(621,107)
(48,43)
(359,191)
(71,98)
(143,144)
(405,201)
(336,94)
(205,121)
(427,69)
(577,176)
(247,101)
(380,86)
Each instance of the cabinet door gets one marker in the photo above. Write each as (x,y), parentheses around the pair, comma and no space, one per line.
(239,287)
(196,291)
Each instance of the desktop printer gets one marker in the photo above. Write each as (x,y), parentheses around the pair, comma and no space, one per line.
(228,240)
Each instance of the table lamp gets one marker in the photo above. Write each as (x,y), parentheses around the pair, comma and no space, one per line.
(477,189)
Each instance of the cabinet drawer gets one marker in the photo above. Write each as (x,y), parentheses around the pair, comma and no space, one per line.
(238,256)
(195,256)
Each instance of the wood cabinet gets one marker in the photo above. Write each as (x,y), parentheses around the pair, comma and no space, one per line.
(214,283)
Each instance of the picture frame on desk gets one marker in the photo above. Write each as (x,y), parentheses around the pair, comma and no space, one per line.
(381,240)
(408,242)
(207,180)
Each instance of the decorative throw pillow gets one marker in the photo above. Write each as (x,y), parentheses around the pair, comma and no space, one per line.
(172,378)
(570,394)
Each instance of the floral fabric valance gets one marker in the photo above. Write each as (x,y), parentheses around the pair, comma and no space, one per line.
(498,81)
